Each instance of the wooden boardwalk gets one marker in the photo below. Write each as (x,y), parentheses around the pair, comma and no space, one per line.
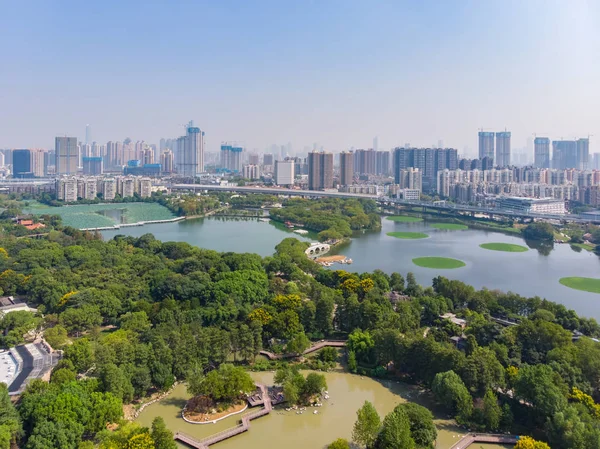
(228,433)
(471,438)
(316,347)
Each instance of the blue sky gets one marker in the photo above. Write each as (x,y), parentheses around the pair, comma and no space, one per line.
(333,72)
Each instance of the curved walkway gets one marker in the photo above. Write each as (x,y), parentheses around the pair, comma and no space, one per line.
(228,433)
(471,438)
(320,345)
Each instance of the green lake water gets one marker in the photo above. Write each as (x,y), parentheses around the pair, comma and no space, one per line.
(101,215)
(288,430)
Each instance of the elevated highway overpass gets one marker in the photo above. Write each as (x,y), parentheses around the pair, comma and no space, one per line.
(438,205)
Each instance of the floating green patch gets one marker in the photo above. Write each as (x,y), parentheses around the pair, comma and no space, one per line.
(405,219)
(591,285)
(507,247)
(444,263)
(408,235)
(449,226)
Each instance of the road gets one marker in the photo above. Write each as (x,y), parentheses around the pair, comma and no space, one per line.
(437,205)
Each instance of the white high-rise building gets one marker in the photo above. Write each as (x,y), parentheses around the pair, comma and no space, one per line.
(251,171)
(66,155)
(284,172)
(66,189)
(190,152)
(109,188)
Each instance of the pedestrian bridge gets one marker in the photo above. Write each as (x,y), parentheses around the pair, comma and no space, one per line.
(317,248)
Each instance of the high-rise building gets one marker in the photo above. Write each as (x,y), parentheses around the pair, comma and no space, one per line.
(268,159)
(93,165)
(66,155)
(411,178)
(39,162)
(166,160)
(503,149)
(231,157)
(346,168)
(583,154)
(564,154)
(376,143)
(251,171)
(284,172)
(147,156)
(253,159)
(541,152)
(320,171)
(21,167)
(365,162)
(486,145)
(88,134)
(428,160)
(66,189)
(109,188)
(382,163)
(190,152)
(87,188)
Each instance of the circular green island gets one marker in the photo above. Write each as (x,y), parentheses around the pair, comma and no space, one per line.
(408,235)
(444,263)
(507,247)
(449,226)
(591,285)
(405,219)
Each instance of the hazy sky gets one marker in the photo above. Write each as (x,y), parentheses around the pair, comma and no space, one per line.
(327,71)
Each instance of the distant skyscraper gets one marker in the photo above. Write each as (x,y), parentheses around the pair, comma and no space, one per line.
(22,164)
(383,163)
(429,161)
(365,162)
(346,168)
(486,145)
(583,154)
(39,162)
(376,143)
(190,152)
(231,157)
(268,159)
(541,152)
(284,172)
(66,155)
(166,160)
(320,171)
(88,134)
(564,154)
(93,165)
(503,149)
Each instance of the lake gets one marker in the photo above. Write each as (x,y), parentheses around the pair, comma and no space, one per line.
(283,429)
(528,273)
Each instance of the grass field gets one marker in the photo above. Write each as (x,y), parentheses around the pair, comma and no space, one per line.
(449,226)
(444,263)
(405,219)
(591,285)
(507,247)
(408,235)
(585,246)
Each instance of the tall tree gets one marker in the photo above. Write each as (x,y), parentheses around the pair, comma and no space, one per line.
(395,432)
(367,425)
(162,436)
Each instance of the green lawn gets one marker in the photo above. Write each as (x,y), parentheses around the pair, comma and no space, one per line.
(438,262)
(405,219)
(507,247)
(591,285)
(449,226)
(587,247)
(408,235)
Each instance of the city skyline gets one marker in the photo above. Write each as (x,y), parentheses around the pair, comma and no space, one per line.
(334,75)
